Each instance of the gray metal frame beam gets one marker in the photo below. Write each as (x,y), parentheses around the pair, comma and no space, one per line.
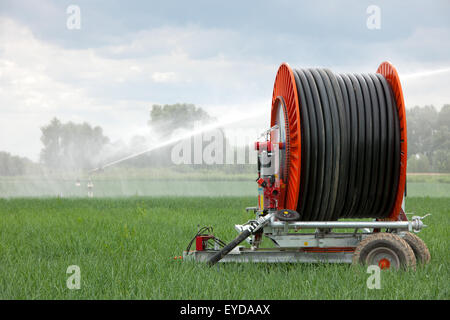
(271,256)
(414,224)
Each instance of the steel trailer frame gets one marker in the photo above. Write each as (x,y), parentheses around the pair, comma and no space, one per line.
(324,244)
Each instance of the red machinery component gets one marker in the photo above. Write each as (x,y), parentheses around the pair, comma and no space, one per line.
(269,180)
(285,98)
(202,241)
(391,75)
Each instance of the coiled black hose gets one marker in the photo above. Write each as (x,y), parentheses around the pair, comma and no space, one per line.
(350,145)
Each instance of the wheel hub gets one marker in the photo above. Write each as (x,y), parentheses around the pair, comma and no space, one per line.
(383,257)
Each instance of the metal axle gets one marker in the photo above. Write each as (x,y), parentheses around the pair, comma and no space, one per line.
(415,224)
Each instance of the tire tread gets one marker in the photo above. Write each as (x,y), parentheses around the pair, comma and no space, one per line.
(387,238)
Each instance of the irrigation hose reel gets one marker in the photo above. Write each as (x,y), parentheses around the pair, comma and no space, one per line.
(336,149)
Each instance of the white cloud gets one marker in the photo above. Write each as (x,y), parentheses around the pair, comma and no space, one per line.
(218,69)
(40,80)
(164,77)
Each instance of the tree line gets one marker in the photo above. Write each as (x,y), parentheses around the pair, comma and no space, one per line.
(78,146)
(428,139)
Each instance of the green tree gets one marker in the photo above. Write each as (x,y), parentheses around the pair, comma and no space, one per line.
(444,117)
(165,119)
(419,163)
(420,125)
(70,145)
(441,141)
(13,165)
(428,139)
(442,161)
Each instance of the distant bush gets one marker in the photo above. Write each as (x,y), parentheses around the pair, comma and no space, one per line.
(428,139)
(14,165)
(419,163)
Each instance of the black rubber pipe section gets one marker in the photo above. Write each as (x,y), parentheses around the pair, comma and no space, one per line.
(361,136)
(307,102)
(329,160)
(368,176)
(305,144)
(352,125)
(383,145)
(396,173)
(315,199)
(335,147)
(390,147)
(343,155)
(225,250)
(350,146)
(376,137)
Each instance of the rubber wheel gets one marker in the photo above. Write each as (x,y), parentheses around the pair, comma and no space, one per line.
(419,247)
(386,250)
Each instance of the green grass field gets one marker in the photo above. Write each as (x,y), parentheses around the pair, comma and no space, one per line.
(125,248)
(200,185)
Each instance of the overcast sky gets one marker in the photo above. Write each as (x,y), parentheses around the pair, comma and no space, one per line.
(219,55)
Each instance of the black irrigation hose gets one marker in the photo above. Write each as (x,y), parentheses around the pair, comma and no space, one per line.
(368,154)
(343,156)
(306,140)
(328,141)
(350,145)
(352,125)
(316,153)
